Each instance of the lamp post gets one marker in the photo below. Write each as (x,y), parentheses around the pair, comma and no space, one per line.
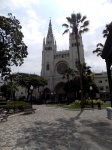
(51,95)
(104,96)
(31,89)
(79,94)
(91,88)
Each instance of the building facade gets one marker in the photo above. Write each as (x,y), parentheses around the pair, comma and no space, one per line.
(101,81)
(54,62)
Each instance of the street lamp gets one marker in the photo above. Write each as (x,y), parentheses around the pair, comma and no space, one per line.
(91,88)
(31,89)
(80,94)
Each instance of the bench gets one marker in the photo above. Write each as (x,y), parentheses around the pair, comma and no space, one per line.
(29,109)
(3,114)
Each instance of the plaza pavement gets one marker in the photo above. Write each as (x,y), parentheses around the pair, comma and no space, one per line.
(55,128)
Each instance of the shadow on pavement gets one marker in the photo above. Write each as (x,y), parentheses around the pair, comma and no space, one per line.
(64,134)
(101,133)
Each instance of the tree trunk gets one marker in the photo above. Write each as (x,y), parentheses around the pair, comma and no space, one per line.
(80,73)
(11,95)
(28,95)
(109,79)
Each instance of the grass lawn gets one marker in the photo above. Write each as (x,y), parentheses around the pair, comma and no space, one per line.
(77,106)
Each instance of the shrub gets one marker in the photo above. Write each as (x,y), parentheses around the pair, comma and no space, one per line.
(95,102)
(100,101)
(15,105)
(89,102)
(77,102)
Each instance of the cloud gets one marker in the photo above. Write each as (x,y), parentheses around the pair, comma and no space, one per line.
(34,18)
(22,3)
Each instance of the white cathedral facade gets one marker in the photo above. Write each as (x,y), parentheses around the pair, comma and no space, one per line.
(54,62)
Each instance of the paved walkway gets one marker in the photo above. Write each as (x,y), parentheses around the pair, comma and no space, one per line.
(54,128)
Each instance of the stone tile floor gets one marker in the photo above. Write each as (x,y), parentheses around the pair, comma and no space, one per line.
(55,128)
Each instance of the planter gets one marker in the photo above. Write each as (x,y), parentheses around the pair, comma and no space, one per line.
(109,113)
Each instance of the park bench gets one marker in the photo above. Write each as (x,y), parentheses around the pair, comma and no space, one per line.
(29,109)
(3,114)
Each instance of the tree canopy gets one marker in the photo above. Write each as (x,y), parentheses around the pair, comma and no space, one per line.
(12,47)
(24,80)
(77,23)
(74,84)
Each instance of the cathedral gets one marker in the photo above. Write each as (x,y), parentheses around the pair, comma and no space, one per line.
(54,62)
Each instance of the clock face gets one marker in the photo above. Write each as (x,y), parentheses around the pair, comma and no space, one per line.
(62,67)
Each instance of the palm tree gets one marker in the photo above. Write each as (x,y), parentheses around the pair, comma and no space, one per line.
(102,50)
(99,49)
(100,46)
(68,73)
(86,69)
(106,31)
(107,54)
(79,25)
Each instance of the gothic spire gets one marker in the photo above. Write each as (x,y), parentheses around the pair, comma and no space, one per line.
(50,33)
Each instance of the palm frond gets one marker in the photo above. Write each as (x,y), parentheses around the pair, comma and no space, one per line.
(83,30)
(100,44)
(105,35)
(73,18)
(94,51)
(97,50)
(65,25)
(66,31)
(79,16)
(99,54)
(85,24)
(69,20)
(83,18)
(105,31)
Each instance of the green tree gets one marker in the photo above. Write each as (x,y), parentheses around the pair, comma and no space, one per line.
(8,90)
(12,48)
(10,85)
(85,69)
(100,46)
(107,55)
(88,81)
(79,25)
(68,73)
(26,80)
(105,52)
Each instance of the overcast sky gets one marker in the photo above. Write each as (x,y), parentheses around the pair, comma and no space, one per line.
(34,17)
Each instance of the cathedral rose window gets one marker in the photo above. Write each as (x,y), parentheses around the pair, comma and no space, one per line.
(62,67)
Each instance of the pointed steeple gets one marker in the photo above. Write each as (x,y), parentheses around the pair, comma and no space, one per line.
(50,33)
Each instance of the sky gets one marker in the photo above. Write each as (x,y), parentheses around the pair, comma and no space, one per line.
(34,16)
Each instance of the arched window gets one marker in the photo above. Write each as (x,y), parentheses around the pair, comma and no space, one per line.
(47,67)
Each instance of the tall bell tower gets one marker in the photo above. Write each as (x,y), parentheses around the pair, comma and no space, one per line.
(49,49)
